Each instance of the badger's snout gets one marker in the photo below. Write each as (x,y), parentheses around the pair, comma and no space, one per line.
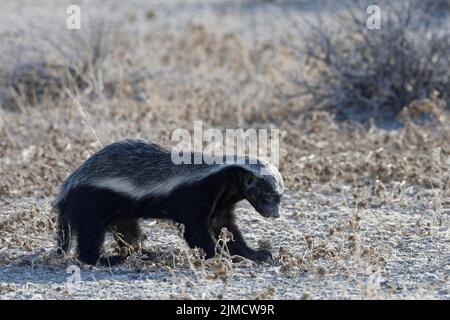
(272,211)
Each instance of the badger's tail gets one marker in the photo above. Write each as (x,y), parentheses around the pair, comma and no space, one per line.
(63,232)
(63,235)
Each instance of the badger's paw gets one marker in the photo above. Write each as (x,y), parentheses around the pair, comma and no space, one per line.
(261,256)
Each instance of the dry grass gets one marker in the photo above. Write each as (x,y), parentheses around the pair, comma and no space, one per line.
(367,209)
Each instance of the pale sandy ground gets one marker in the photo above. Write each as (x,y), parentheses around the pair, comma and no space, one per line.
(390,252)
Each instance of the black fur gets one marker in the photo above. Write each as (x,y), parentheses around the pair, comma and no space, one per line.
(203,205)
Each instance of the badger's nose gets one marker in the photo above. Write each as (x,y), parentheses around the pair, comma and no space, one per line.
(274,212)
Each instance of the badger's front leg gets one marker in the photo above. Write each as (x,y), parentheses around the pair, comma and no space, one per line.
(193,209)
(198,235)
(225,217)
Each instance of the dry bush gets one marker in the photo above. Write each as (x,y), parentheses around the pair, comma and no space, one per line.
(41,68)
(360,73)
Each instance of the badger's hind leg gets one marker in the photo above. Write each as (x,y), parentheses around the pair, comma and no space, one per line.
(88,210)
(90,237)
(90,242)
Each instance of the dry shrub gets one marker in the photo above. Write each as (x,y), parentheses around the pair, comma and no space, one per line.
(57,61)
(289,260)
(320,249)
(360,73)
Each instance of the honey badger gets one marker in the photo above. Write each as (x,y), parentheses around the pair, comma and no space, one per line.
(131,180)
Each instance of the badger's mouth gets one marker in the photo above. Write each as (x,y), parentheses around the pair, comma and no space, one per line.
(270,211)
(266,209)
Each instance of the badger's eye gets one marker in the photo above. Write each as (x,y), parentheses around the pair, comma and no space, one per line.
(271,197)
(268,196)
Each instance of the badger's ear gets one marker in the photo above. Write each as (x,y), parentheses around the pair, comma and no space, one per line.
(250,181)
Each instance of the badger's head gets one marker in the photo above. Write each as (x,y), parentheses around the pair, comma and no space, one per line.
(263,188)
